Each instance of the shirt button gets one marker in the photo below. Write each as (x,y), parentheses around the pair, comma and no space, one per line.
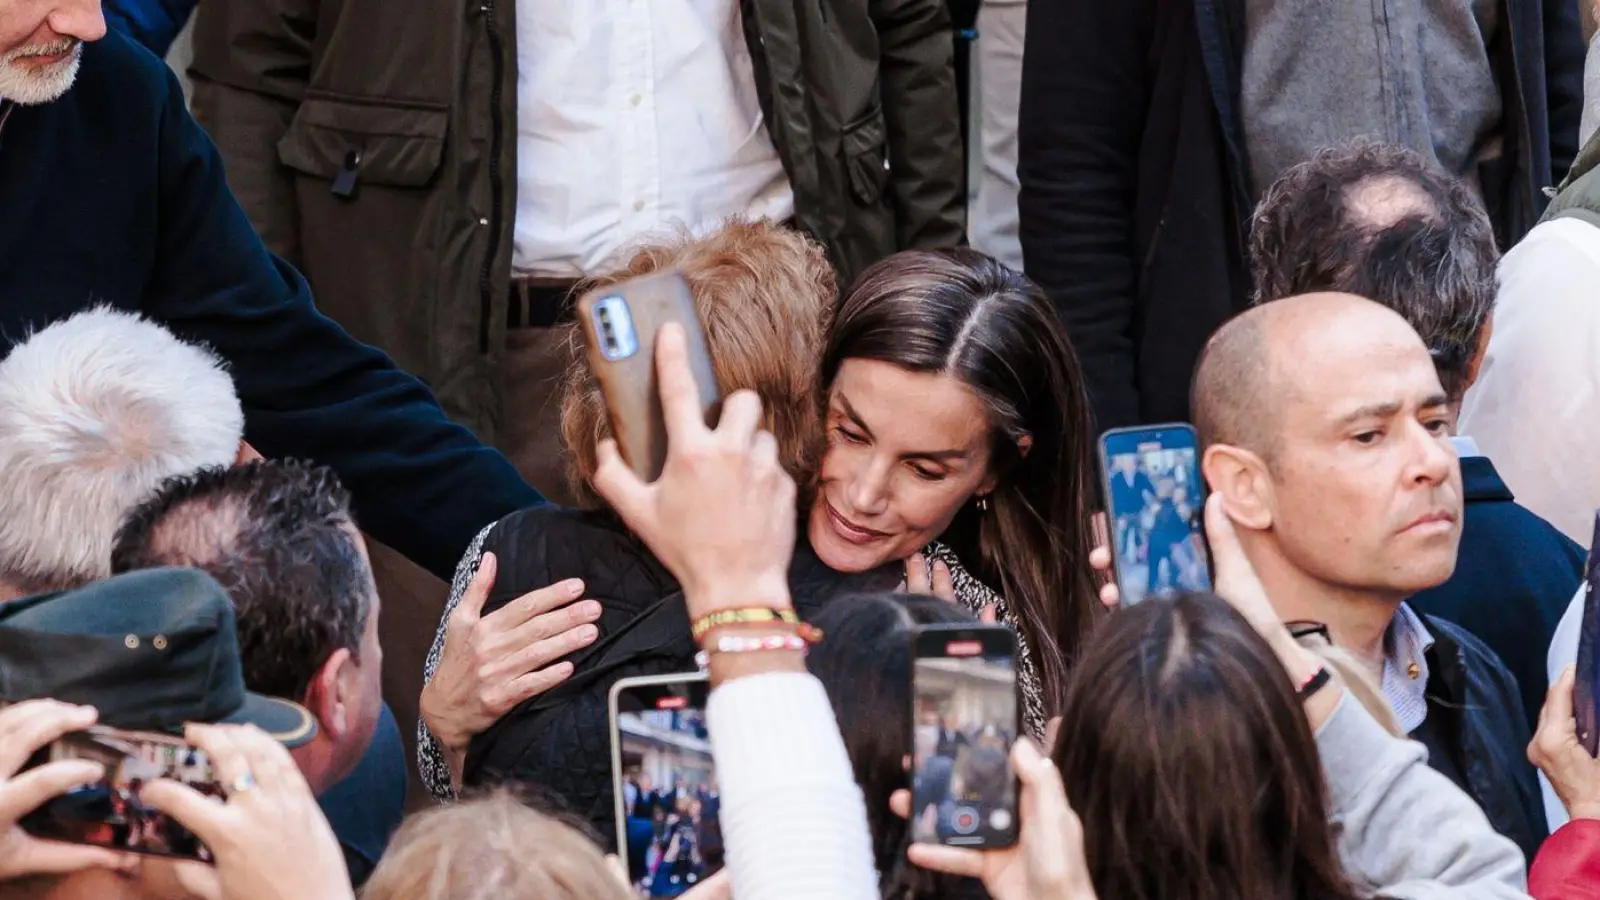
(636,99)
(483,223)
(1414,671)
(638,206)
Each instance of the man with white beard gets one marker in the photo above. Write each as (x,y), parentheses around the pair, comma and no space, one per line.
(111,195)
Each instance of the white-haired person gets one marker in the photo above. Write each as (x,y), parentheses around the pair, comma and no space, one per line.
(96,411)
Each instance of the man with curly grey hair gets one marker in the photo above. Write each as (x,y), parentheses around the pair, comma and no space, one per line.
(1381,221)
(96,411)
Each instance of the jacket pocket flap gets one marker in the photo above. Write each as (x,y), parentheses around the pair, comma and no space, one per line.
(868,166)
(384,143)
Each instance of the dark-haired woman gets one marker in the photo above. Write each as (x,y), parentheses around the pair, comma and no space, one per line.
(958,431)
(957,436)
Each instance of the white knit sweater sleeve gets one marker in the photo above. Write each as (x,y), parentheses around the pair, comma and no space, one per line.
(793,819)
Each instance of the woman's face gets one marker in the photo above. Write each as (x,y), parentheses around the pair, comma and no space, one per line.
(905,451)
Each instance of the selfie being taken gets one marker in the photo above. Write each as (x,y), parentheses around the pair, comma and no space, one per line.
(855,450)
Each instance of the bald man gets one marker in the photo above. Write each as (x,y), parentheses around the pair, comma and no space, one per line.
(1326,431)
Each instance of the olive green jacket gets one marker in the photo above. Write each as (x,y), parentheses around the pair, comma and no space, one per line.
(373,144)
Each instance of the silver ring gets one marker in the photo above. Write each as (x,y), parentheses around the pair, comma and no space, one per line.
(243,783)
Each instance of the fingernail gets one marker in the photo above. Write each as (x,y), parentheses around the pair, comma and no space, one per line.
(588,633)
(589,610)
(573,586)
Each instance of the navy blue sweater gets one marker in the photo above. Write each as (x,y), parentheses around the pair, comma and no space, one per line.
(113,195)
(1515,574)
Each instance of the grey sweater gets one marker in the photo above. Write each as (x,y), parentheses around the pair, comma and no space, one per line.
(1406,832)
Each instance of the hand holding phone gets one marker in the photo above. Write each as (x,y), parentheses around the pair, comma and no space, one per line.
(1155,497)
(25,729)
(721,517)
(621,325)
(964,720)
(270,839)
(664,779)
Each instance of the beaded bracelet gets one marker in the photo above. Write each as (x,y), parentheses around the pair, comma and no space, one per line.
(760,615)
(730,643)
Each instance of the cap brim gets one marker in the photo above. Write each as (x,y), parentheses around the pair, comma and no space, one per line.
(290,724)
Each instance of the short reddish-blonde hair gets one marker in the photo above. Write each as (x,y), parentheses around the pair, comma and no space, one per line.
(764,294)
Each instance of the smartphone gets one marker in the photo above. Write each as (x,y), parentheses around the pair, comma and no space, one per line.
(110,813)
(964,721)
(669,810)
(1586,689)
(1155,511)
(620,323)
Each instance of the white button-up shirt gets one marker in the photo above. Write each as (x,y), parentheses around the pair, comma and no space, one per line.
(634,117)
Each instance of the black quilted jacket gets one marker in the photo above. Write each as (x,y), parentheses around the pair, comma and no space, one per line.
(559,742)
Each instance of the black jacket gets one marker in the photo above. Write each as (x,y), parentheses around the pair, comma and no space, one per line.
(1515,575)
(560,741)
(1481,711)
(113,195)
(1135,194)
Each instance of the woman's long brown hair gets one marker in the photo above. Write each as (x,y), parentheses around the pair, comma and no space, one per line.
(963,314)
(1184,749)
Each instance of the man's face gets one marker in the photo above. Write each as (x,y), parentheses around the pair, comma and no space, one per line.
(1366,489)
(40,44)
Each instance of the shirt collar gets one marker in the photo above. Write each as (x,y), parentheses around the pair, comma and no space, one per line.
(1466,447)
(1405,667)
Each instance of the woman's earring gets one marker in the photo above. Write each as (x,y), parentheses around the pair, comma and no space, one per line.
(983,503)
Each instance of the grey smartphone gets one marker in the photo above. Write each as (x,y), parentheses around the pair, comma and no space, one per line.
(964,721)
(1155,510)
(669,808)
(620,323)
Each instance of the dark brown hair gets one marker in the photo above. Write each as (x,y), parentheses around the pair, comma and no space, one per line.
(763,293)
(1185,752)
(1381,221)
(963,314)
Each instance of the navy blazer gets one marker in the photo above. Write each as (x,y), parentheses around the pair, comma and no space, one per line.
(113,195)
(1515,575)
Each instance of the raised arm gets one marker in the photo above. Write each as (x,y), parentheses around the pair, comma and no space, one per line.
(1083,108)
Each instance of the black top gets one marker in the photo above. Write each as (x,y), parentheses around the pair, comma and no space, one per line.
(560,740)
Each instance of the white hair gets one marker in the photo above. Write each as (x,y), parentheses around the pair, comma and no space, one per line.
(38,85)
(95,413)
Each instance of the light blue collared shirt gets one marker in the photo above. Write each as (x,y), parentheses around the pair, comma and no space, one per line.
(1466,447)
(1405,667)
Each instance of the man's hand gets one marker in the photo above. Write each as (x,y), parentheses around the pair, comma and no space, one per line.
(1573,773)
(721,517)
(269,839)
(26,728)
(489,664)
(1046,863)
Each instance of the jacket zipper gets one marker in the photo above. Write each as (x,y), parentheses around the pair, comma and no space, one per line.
(496,139)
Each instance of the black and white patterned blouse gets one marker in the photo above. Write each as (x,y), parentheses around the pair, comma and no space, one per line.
(970,593)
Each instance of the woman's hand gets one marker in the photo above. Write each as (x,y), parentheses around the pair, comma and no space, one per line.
(1046,863)
(490,663)
(1573,773)
(721,517)
(269,839)
(1101,562)
(25,729)
(942,585)
(1237,583)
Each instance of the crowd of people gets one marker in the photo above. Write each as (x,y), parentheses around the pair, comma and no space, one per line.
(1354,246)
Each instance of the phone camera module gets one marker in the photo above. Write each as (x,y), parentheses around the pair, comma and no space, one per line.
(618,340)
